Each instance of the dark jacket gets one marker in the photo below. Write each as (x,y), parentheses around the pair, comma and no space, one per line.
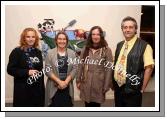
(18,67)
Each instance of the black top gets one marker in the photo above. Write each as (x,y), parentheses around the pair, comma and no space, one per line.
(63,66)
(20,62)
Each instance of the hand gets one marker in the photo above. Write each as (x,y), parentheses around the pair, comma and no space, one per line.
(62,85)
(59,87)
(32,72)
(56,84)
(105,90)
(141,91)
(78,85)
(66,81)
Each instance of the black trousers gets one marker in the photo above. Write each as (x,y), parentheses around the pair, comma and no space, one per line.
(62,98)
(123,99)
(92,104)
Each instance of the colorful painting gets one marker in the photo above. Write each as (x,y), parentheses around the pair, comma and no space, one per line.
(77,37)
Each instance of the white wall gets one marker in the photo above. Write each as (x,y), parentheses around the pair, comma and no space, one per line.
(108,17)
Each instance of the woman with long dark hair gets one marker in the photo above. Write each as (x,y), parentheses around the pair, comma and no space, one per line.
(94,79)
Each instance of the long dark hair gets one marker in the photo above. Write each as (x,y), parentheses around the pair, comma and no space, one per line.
(89,43)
